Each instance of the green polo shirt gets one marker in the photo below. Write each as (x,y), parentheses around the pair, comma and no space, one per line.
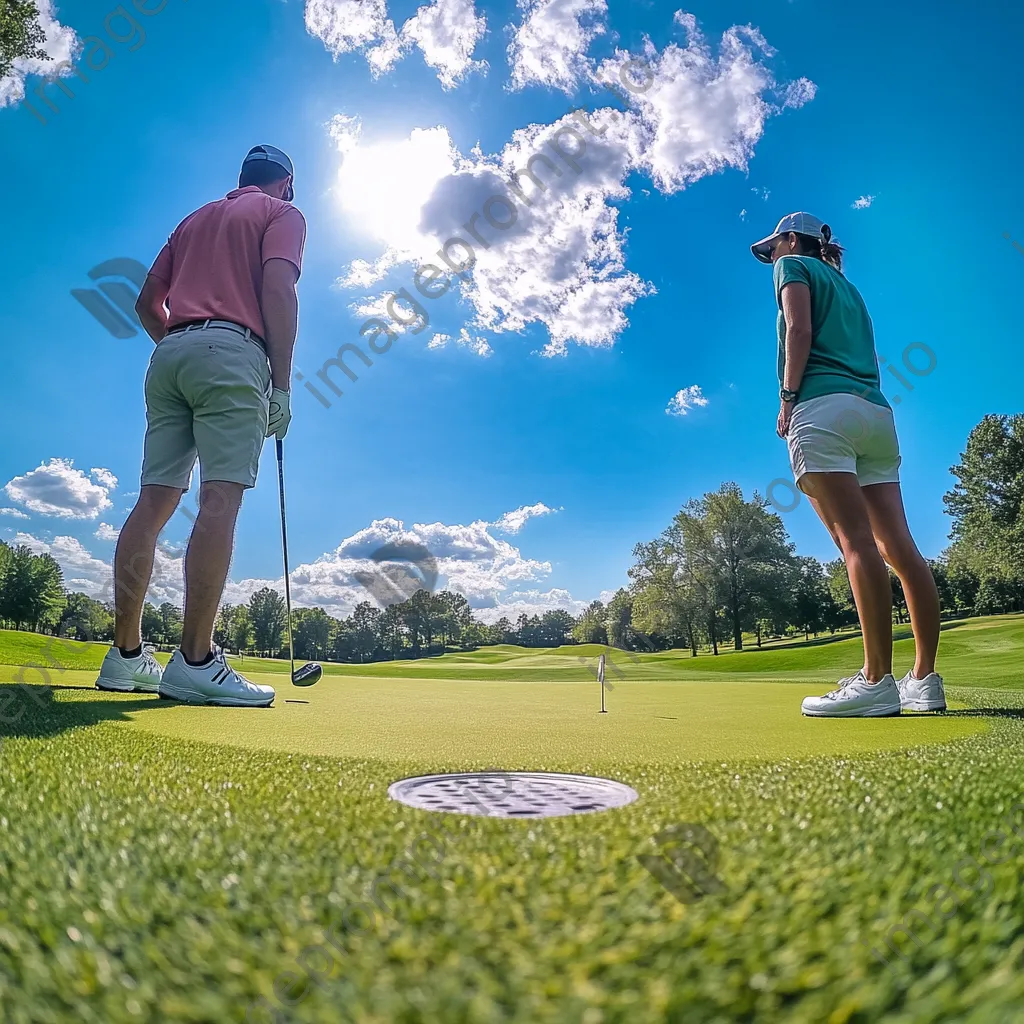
(842,358)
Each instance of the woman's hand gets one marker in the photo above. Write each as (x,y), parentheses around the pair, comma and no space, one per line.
(785,415)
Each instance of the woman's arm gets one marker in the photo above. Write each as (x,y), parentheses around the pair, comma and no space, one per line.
(796,308)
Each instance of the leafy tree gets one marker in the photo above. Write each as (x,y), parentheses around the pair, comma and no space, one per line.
(474,635)
(811,597)
(152,624)
(590,627)
(528,630)
(501,632)
(987,508)
(46,600)
(16,594)
(666,601)
(267,614)
(20,34)
(619,617)
(312,633)
(899,601)
(838,582)
(222,626)
(391,637)
(415,617)
(240,635)
(170,623)
(341,637)
(963,584)
(453,616)
(84,618)
(940,571)
(365,629)
(556,627)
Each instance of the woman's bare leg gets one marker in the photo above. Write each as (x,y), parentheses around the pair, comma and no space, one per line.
(897,547)
(841,505)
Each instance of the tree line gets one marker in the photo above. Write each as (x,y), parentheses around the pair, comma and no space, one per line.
(724,572)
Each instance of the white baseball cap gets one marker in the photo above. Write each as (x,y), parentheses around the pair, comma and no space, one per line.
(275,156)
(801,223)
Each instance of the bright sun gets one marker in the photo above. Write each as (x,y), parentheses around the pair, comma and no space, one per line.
(383,187)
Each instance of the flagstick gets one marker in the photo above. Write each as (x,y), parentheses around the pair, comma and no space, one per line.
(600,679)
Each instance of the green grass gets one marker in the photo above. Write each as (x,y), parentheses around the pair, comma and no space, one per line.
(164,863)
(986,652)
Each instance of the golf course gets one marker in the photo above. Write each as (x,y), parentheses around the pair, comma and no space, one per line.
(162,862)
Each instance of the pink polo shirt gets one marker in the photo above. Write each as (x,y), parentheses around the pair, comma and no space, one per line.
(213,261)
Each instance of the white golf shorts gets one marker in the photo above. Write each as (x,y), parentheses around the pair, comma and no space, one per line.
(844,434)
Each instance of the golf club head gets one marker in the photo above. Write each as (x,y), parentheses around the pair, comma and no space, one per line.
(308,674)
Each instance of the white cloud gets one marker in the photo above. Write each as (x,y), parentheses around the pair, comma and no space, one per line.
(56,488)
(105,478)
(513,522)
(863,203)
(107,532)
(685,399)
(478,346)
(447,32)
(349,25)
(550,43)
(492,574)
(743,214)
(439,341)
(558,258)
(90,573)
(705,113)
(60,43)
(531,602)
(14,513)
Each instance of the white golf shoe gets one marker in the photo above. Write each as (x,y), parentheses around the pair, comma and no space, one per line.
(855,697)
(925,694)
(141,674)
(216,682)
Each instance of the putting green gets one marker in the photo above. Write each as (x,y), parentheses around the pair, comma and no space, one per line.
(454,724)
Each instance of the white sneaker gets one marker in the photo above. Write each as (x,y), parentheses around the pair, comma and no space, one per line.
(925,694)
(130,675)
(216,682)
(855,697)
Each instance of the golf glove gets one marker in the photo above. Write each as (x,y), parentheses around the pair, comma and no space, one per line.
(280,413)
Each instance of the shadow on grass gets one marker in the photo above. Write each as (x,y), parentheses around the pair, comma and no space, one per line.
(1017,713)
(29,711)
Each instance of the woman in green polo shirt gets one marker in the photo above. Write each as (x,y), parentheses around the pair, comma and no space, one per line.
(845,458)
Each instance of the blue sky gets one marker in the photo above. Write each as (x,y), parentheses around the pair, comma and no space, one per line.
(621,287)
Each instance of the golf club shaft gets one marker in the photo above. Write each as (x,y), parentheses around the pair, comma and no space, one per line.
(284,545)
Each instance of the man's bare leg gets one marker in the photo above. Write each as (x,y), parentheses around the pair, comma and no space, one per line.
(133,560)
(206,565)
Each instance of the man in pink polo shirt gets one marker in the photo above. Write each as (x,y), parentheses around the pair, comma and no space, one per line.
(220,303)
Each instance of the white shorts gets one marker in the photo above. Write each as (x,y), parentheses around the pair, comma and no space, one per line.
(844,434)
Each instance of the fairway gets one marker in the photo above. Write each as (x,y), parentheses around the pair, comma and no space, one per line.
(170,863)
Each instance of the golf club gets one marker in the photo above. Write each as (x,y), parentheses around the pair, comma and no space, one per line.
(311,672)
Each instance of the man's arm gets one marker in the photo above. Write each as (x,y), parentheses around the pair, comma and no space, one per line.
(152,309)
(280,306)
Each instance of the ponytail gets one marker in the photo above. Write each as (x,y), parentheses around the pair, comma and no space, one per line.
(831,252)
(824,249)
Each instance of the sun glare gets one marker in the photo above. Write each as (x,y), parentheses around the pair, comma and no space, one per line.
(382,187)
